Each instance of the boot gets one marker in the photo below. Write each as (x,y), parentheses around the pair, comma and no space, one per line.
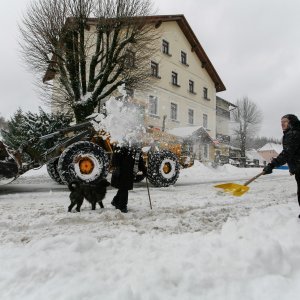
(114,202)
(123,209)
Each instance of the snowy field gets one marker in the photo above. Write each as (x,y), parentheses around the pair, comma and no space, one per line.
(196,243)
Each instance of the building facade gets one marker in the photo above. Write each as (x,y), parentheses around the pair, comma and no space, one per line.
(185,82)
(223,118)
(184,89)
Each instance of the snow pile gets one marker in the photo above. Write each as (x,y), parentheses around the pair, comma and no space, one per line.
(204,173)
(250,258)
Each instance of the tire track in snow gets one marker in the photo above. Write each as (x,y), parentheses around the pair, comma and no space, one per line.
(176,210)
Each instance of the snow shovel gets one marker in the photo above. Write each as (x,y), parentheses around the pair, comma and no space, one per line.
(237,189)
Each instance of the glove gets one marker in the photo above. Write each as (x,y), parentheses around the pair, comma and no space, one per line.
(294,170)
(268,169)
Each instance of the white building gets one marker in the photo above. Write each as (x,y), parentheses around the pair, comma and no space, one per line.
(185,82)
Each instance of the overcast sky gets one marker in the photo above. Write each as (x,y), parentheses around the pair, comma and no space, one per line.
(253,44)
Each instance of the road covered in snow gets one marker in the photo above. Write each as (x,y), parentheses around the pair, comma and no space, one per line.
(196,242)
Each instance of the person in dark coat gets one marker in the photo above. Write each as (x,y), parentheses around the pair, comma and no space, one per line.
(291,149)
(126,162)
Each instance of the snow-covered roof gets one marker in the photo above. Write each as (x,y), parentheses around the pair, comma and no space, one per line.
(234,148)
(270,147)
(184,132)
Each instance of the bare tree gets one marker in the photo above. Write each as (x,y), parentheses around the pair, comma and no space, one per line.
(247,117)
(90,47)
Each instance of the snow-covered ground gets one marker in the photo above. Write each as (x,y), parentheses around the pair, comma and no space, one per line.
(196,243)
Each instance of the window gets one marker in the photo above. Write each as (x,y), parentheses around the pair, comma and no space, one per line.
(173,111)
(152,105)
(130,92)
(130,59)
(154,69)
(191,116)
(205,121)
(183,58)
(165,47)
(191,86)
(175,78)
(205,92)
(205,151)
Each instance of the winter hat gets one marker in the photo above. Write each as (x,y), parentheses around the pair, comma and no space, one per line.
(294,121)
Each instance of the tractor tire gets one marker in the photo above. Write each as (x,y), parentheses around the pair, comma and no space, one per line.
(53,171)
(83,161)
(163,168)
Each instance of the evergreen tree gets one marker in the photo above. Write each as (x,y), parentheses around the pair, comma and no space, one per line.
(24,126)
(13,136)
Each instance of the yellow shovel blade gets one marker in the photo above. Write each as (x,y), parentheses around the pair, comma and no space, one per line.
(233,188)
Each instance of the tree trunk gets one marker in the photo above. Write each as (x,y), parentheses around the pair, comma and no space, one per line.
(81,111)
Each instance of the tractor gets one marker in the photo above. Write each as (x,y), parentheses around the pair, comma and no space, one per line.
(84,154)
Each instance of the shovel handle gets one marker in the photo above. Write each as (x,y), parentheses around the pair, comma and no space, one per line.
(253,178)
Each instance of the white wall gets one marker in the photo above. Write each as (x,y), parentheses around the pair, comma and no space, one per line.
(166,92)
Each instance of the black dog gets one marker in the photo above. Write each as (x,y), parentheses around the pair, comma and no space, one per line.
(93,193)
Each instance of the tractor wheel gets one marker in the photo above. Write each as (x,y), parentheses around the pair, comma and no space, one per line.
(163,168)
(52,170)
(83,161)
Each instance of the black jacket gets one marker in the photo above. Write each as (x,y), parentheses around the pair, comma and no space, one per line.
(123,162)
(291,150)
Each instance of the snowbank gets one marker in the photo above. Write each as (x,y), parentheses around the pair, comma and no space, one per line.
(196,243)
